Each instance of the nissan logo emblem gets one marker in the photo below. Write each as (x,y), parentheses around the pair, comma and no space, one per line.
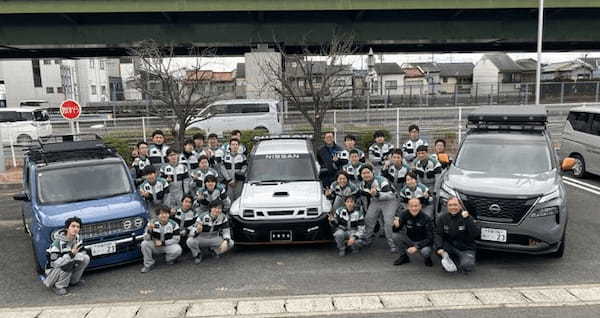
(495,208)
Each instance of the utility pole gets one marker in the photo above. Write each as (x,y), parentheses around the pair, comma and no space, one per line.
(538,72)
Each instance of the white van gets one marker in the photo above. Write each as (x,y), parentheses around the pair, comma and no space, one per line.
(581,140)
(242,114)
(23,124)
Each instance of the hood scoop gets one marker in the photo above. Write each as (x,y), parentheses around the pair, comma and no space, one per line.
(281,194)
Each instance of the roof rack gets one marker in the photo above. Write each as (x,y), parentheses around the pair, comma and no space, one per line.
(57,148)
(508,118)
(273,137)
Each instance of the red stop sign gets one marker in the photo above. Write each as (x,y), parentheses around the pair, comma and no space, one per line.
(70,109)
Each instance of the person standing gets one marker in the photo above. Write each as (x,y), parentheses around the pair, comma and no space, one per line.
(235,165)
(379,199)
(66,259)
(340,189)
(325,157)
(414,141)
(140,162)
(379,151)
(154,189)
(157,151)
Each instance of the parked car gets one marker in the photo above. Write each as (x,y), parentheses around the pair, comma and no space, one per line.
(508,176)
(24,124)
(66,176)
(580,140)
(243,114)
(282,199)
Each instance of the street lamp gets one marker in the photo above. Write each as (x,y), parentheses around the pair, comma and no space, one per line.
(538,72)
(370,74)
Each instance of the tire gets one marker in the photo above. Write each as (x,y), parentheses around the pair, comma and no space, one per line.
(561,250)
(579,168)
(24,140)
(261,129)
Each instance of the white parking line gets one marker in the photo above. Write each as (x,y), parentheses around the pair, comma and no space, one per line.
(585,184)
(584,188)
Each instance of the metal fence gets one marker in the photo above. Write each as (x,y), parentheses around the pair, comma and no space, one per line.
(435,122)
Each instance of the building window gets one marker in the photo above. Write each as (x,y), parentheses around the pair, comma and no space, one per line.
(445,80)
(340,83)
(37,75)
(49,90)
(47,62)
(57,61)
(92,64)
(94,91)
(103,89)
(101,62)
(60,90)
(391,84)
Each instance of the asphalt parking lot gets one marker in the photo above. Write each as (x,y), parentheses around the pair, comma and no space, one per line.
(300,270)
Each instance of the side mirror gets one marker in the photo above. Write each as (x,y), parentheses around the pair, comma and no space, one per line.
(567,164)
(443,158)
(21,197)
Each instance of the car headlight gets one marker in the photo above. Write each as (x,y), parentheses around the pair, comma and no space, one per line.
(325,205)
(235,208)
(548,211)
(550,196)
(446,193)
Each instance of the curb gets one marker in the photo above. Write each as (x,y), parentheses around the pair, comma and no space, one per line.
(11,186)
(330,305)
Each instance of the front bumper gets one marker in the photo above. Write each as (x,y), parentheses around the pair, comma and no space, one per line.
(545,231)
(302,230)
(127,251)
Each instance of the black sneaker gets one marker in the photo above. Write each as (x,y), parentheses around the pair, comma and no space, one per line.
(428,262)
(403,259)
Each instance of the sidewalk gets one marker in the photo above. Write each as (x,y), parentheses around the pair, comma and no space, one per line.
(11,179)
(324,305)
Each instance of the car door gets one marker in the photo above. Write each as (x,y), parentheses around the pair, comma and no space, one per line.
(594,145)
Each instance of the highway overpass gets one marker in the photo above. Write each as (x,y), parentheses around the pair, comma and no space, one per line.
(70,28)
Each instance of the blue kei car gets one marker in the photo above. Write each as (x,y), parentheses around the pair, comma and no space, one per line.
(78,175)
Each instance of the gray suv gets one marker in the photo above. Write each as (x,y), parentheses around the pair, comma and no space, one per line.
(508,176)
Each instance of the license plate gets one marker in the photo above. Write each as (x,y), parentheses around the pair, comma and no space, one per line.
(495,235)
(281,235)
(103,248)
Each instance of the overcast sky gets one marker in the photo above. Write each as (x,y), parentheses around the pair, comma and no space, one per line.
(226,64)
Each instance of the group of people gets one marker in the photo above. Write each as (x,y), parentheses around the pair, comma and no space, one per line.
(190,193)
(391,188)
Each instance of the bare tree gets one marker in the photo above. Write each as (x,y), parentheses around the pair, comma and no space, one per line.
(184,92)
(314,80)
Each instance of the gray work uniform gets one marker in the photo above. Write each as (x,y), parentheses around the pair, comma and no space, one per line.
(339,193)
(169,235)
(62,267)
(348,224)
(384,203)
(214,231)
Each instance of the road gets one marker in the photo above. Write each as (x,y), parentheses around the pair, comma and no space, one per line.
(303,270)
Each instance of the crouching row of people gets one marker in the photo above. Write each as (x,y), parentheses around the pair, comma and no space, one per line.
(452,238)
(205,234)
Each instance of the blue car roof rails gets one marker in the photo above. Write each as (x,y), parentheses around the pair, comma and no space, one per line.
(508,118)
(57,148)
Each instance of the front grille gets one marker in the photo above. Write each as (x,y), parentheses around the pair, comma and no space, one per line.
(113,227)
(281,212)
(500,210)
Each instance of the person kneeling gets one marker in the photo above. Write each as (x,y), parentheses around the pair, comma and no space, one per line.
(211,232)
(418,234)
(455,234)
(162,237)
(348,224)
(66,260)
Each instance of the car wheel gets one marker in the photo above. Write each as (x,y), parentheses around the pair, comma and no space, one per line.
(261,129)
(579,167)
(24,140)
(561,250)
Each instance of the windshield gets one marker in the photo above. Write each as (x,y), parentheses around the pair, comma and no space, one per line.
(14,116)
(282,167)
(504,157)
(82,183)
